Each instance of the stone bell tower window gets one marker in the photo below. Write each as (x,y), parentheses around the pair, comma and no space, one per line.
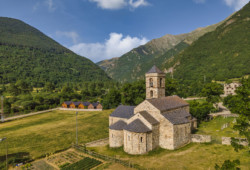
(151,82)
(161,82)
(151,93)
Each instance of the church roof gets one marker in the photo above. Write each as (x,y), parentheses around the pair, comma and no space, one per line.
(137,126)
(168,103)
(119,125)
(177,117)
(123,112)
(149,118)
(154,69)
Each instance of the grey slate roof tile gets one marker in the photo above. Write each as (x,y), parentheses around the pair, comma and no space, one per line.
(154,69)
(168,103)
(149,118)
(119,125)
(123,112)
(177,117)
(67,102)
(137,126)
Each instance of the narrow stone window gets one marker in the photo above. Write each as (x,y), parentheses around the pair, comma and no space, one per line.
(151,82)
(151,93)
(161,82)
(128,138)
(141,139)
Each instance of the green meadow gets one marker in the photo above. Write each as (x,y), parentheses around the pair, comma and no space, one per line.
(47,133)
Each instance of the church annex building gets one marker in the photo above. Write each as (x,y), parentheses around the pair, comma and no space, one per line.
(158,121)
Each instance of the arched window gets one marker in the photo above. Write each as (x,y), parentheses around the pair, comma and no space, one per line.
(150,82)
(141,139)
(151,93)
(161,82)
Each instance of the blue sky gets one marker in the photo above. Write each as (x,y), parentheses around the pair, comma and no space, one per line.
(102,29)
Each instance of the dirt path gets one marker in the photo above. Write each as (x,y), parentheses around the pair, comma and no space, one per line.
(27,115)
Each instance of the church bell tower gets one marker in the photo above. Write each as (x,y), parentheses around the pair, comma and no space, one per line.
(155,83)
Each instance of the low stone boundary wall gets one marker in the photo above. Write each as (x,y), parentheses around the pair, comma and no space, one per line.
(197,138)
(80,110)
(227,141)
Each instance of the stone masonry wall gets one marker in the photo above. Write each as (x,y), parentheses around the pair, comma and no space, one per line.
(181,135)
(227,141)
(197,138)
(159,91)
(113,120)
(166,140)
(115,138)
(137,143)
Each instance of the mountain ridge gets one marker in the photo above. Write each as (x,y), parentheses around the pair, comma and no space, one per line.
(28,54)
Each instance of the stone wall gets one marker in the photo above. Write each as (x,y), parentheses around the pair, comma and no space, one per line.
(227,141)
(113,120)
(145,105)
(197,138)
(137,143)
(166,140)
(182,134)
(158,91)
(115,138)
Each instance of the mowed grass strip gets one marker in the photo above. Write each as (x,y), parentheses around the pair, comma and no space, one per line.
(49,132)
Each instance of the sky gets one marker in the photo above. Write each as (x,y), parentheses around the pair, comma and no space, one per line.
(103,29)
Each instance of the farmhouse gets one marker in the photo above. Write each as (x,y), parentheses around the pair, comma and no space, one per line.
(81,105)
(158,121)
(229,89)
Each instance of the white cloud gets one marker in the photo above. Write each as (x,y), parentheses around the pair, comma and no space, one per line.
(71,34)
(115,46)
(50,4)
(236,4)
(199,1)
(136,4)
(35,7)
(119,4)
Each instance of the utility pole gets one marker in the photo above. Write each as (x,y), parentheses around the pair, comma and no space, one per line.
(76,130)
(2,115)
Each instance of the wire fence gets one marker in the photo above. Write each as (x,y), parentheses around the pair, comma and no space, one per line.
(108,158)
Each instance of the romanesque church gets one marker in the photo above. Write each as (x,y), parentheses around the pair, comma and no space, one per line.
(158,121)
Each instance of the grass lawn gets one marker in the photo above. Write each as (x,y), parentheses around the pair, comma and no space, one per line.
(193,156)
(49,132)
(214,128)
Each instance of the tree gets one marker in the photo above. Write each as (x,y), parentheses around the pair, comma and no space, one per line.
(49,87)
(240,104)
(112,99)
(171,86)
(212,91)
(228,165)
(200,110)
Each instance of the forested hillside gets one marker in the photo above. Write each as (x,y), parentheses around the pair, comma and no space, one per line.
(133,65)
(27,54)
(218,55)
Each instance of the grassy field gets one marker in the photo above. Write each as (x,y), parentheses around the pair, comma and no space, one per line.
(49,132)
(192,156)
(214,128)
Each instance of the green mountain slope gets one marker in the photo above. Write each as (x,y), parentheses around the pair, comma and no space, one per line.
(28,54)
(218,55)
(133,65)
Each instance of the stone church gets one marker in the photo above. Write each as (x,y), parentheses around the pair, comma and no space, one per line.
(159,121)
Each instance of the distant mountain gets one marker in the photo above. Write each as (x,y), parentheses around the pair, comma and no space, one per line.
(133,65)
(218,55)
(28,54)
